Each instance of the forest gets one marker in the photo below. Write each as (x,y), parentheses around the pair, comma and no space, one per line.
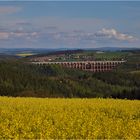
(18,78)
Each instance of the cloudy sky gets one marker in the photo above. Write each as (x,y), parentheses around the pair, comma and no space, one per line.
(69,24)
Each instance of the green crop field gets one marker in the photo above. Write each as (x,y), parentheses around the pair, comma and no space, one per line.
(36,118)
(111,55)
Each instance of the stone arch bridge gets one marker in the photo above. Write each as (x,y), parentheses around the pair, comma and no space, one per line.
(94,66)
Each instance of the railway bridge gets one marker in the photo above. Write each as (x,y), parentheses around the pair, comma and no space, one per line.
(94,66)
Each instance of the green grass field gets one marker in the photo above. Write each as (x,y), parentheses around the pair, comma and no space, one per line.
(36,118)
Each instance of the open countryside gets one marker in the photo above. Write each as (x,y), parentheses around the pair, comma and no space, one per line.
(69,70)
(55,117)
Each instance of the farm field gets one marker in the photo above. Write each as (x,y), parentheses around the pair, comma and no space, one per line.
(46,118)
(108,55)
(25,54)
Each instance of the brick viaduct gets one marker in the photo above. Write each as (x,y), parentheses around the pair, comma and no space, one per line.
(94,66)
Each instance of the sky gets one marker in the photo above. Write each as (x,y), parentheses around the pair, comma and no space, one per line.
(69,24)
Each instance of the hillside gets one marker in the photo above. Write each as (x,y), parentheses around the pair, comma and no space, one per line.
(19,78)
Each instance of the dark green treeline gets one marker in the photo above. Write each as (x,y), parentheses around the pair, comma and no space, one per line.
(21,79)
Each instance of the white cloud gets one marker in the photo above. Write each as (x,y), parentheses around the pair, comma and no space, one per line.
(113,34)
(107,35)
(25,35)
(4,35)
(53,36)
(9,9)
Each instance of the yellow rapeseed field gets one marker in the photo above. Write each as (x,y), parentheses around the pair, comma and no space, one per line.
(37,118)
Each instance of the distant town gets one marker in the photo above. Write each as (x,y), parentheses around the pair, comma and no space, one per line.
(76,56)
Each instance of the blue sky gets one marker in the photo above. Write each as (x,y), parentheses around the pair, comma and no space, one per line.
(62,24)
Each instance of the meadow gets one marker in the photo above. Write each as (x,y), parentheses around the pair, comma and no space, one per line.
(55,118)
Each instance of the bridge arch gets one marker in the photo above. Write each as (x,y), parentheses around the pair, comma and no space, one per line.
(88,66)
